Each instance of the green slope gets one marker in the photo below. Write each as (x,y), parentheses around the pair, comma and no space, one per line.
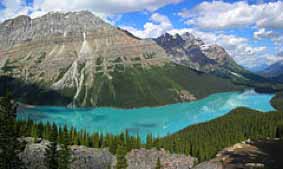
(133,87)
(138,87)
(206,139)
(277,101)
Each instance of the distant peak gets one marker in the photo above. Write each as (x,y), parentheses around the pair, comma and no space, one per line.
(188,35)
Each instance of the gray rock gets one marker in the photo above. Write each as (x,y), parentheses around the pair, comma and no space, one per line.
(81,157)
(209,165)
(92,158)
(147,159)
(188,50)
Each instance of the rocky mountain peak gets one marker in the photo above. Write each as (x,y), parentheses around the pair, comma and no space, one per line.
(49,26)
(191,40)
(71,52)
(189,50)
(170,40)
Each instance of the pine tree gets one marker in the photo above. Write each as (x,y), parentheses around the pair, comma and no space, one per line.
(51,151)
(120,156)
(9,145)
(279,130)
(34,133)
(158,164)
(65,154)
(149,141)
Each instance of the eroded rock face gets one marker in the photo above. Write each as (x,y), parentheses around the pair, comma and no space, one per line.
(188,50)
(71,52)
(146,159)
(210,165)
(92,158)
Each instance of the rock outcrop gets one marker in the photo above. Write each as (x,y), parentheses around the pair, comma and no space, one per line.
(188,50)
(146,159)
(210,165)
(92,158)
(248,155)
(82,157)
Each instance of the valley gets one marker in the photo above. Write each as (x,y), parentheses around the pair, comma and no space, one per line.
(77,91)
(86,62)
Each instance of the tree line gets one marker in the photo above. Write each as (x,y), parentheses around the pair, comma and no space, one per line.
(206,139)
(202,140)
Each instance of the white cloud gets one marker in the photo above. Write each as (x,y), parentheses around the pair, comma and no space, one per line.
(219,15)
(158,25)
(275,36)
(102,8)
(13,8)
(105,6)
(263,33)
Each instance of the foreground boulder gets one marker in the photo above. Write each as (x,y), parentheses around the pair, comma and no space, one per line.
(265,153)
(93,158)
(147,159)
(82,157)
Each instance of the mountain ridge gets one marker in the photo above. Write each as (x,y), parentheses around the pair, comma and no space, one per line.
(92,63)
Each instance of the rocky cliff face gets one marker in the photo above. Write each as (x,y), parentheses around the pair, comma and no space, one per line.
(71,52)
(91,158)
(188,50)
(146,159)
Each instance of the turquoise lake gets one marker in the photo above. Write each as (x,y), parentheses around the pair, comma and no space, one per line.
(159,121)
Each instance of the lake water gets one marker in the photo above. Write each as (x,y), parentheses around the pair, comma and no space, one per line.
(159,121)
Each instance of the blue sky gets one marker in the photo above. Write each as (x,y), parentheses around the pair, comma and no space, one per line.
(251,31)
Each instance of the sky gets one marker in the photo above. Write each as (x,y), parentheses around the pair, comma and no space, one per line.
(251,31)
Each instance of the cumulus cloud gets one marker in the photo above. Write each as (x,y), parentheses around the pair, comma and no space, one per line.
(102,8)
(105,6)
(13,8)
(275,36)
(220,15)
(263,33)
(158,25)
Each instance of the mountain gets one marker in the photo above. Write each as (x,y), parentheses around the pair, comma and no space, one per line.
(190,51)
(274,72)
(77,59)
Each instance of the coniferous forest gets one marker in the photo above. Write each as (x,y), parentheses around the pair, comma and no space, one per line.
(202,140)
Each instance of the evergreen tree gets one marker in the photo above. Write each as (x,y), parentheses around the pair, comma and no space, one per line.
(51,151)
(34,133)
(149,141)
(279,130)
(65,154)
(120,156)
(9,145)
(158,164)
